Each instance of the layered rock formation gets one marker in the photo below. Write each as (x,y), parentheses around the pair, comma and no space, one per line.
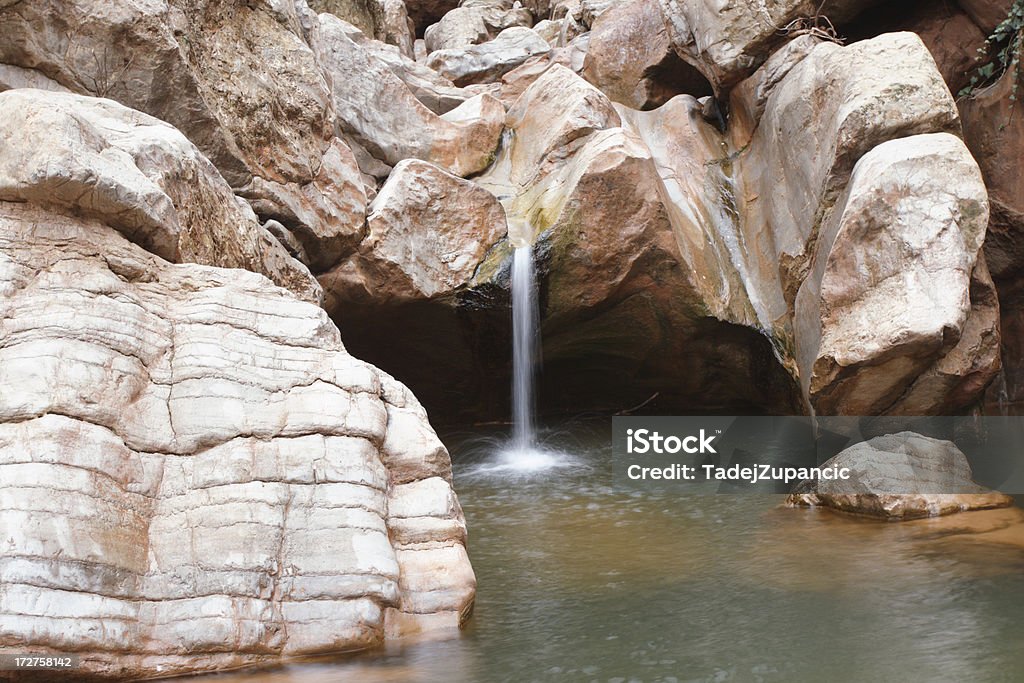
(194,473)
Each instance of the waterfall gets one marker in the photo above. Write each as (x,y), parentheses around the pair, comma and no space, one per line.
(525,318)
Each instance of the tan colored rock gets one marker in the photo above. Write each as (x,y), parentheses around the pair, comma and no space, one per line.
(558,109)
(488,62)
(632,61)
(427,232)
(224,467)
(473,23)
(898,477)
(98,159)
(847,100)
(729,42)
(461,141)
(327,215)
(888,292)
(240,82)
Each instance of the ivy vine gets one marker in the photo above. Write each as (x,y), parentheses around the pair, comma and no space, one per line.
(1003,48)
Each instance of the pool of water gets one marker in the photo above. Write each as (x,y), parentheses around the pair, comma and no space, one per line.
(581,582)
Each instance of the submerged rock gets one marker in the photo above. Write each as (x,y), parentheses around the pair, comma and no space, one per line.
(900,476)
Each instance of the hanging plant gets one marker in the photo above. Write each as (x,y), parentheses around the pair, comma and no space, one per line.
(1003,48)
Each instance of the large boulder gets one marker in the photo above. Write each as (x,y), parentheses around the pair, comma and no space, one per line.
(461,141)
(729,42)
(385,20)
(489,61)
(888,294)
(632,61)
(899,476)
(239,80)
(195,474)
(427,233)
(475,22)
(423,13)
(95,158)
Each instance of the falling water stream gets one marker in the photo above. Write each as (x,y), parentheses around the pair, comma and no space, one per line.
(524,349)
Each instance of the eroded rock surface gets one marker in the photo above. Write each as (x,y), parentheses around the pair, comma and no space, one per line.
(224,484)
(98,159)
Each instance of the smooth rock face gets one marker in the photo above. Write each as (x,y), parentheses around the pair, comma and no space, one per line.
(900,476)
(95,158)
(219,470)
(632,61)
(488,62)
(461,141)
(427,233)
(888,292)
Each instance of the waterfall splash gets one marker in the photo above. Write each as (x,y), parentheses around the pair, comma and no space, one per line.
(525,317)
(525,455)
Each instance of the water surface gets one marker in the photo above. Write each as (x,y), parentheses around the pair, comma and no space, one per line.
(580,582)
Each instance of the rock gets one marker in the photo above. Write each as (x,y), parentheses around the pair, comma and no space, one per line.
(728,43)
(326,215)
(13,77)
(474,23)
(427,233)
(95,158)
(632,61)
(987,14)
(221,470)
(488,62)
(900,476)
(948,33)
(385,20)
(218,84)
(461,141)
(993,129)
(847,100)
(423,13)
(434,91)
(888,291)
(240,82)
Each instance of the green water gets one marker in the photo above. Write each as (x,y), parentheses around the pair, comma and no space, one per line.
(580,582)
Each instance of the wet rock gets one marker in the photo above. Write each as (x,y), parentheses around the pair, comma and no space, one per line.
(487,62)
(427,232)
(221,470)
(95,158)
(632,61)
(461,141)
(900,476)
